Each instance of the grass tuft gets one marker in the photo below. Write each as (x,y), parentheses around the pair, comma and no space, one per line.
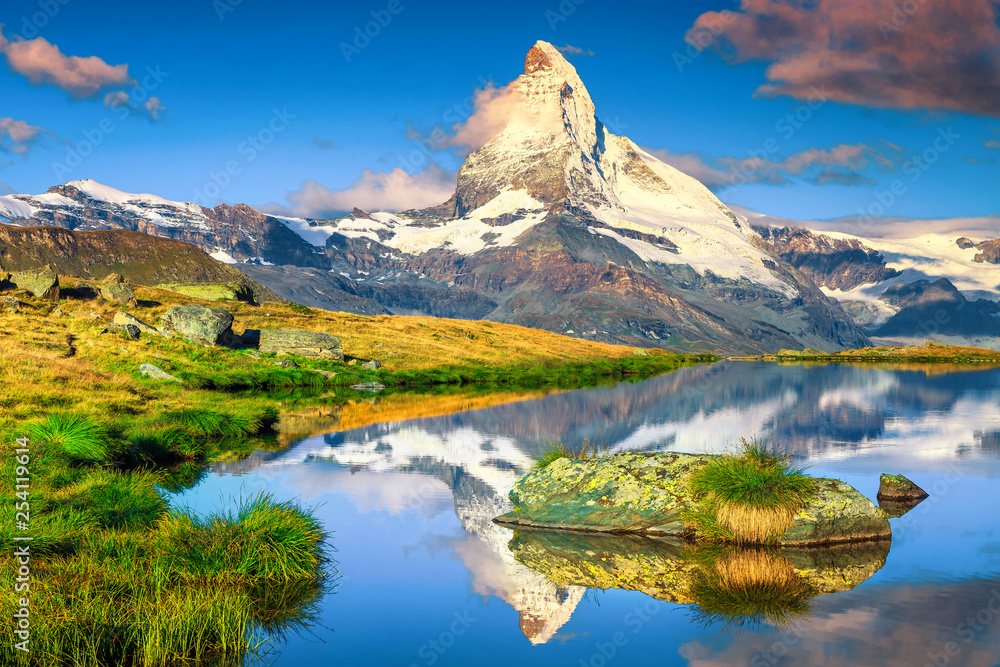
(750,495)
(81,437)
(554,450)
(748,587)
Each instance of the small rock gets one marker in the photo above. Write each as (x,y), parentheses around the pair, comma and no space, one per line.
(151,371)
(640,353)
(11,301)
(13,310)
(368,386)
(128,330)
(352,362)
(329,375)
(123,318)
(286,363)
(371,365)
(897,487)
(94,316)
(58,312)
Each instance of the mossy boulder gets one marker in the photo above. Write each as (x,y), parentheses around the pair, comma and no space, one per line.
(200,325)
(230,291)
(899,488)
(116,289)
(650,494)
(43,283)
(302,343)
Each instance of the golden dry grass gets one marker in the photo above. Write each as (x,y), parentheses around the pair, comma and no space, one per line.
(743,569)
(755,525)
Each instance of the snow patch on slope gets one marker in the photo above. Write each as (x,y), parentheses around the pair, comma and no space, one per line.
(12,208)
(312,234)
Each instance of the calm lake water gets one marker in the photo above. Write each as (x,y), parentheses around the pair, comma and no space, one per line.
(427,579)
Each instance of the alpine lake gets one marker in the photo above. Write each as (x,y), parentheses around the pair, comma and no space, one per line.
(408,487)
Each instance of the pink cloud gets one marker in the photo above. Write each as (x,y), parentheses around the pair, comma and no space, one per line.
(41,62)
(395,190)
(882,53)
(18,137)
(840,165)
(154,106)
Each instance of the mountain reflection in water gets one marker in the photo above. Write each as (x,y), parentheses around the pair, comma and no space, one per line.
(849,422)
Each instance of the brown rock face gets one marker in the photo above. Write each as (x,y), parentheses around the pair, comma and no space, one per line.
(836,264)
(989,251)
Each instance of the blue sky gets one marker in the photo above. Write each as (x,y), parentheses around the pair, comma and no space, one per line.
(254,99)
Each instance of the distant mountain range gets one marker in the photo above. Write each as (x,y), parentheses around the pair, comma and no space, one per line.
(558,224)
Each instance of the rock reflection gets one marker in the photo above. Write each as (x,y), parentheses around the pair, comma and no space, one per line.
(737,588)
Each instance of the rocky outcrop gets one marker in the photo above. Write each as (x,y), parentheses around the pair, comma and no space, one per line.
(301,343)
(839,264)
(649,494)
(200,325)
(928,308)
(43,283)
(989,252)
(116,289)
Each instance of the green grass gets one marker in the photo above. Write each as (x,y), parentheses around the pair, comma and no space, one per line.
(755,476)
(748,496)
(80,436)
(553,450)
(261,539)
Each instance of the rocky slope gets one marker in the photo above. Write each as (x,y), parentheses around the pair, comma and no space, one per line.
(928,287)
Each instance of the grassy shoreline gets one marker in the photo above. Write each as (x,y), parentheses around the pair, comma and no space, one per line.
(120,577)
(931,353)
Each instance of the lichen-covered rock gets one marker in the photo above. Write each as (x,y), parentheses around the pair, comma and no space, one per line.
(10,301)
(649,494)
(116,289)
(156,373)
(43,283)
(201,325)
(837,513)
(231,291)
(621,493)
(301,343)
(898,487)
(371,365)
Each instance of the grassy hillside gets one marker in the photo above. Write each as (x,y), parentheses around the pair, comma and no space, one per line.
(932,352)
